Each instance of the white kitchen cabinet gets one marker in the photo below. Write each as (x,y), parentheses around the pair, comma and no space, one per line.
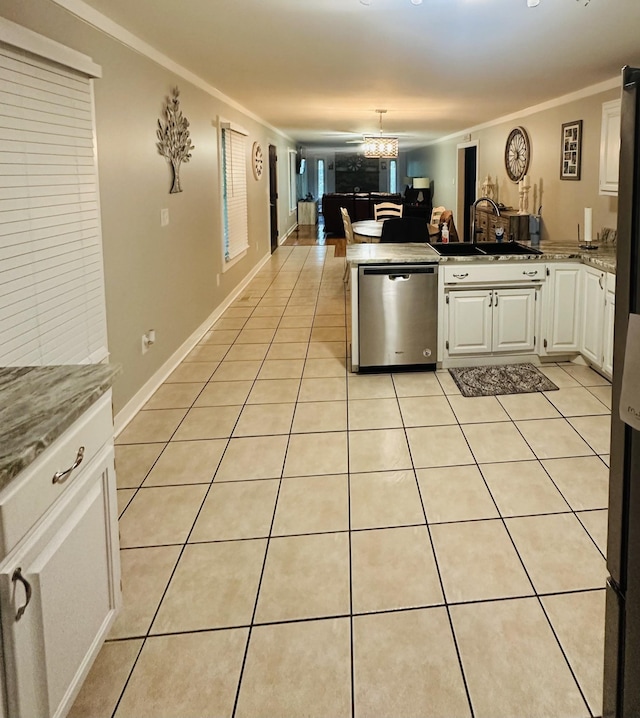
(593,298)
(491,321)
(514,312)
(610,147)
(563,292)
(470,321)
(609,317)
(60,584)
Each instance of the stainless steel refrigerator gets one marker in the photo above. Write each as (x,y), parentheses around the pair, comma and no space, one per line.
(622,630)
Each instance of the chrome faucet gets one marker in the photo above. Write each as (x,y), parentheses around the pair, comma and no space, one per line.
(496,209)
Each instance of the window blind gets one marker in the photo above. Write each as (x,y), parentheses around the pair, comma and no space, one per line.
(393,176)
(236,229)
(52,307)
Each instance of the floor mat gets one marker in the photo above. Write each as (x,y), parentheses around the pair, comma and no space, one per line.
(502,379)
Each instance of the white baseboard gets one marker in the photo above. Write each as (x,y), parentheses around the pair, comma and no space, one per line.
(140,398)
(285,236)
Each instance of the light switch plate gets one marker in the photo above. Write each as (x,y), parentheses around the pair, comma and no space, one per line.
(164,217)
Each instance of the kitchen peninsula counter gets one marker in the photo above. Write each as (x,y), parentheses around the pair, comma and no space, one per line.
(391,253)
(37,404)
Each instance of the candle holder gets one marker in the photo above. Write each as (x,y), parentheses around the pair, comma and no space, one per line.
(523,204)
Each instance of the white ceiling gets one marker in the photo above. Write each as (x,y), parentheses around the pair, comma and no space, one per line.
(318,69)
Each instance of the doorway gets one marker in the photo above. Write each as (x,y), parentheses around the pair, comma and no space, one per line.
(273,196)
(466,183)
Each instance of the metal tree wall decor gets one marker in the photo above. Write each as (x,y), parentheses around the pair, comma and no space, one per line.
(174,141)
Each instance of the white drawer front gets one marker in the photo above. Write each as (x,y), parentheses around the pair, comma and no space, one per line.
(31,494)
(494,273)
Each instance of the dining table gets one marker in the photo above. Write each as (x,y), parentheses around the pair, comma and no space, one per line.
(370,230)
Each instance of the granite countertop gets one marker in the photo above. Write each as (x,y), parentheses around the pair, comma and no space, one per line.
(603,258)
(37,404)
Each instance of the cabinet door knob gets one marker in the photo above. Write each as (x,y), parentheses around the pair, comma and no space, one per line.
(17,576)
(61,476)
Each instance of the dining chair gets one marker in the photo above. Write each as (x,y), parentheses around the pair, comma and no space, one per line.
(387,210)
(436,214)
(349,237)
(405,229)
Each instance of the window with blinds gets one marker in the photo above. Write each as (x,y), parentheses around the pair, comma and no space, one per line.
(234,192)
(52,306)
(393,176)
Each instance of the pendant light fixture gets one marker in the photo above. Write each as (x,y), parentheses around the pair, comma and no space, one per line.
(380,146)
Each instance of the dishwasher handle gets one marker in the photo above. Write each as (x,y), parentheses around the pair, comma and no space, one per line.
(396,271)
(399,277)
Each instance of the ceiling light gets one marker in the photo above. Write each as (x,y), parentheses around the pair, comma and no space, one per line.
(378,145)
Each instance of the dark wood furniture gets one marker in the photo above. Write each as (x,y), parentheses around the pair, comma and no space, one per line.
(516,226)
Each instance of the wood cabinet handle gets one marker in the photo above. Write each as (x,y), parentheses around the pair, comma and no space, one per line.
(17,576)
(61,476)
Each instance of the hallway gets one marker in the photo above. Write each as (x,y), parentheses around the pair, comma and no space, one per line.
(301,541)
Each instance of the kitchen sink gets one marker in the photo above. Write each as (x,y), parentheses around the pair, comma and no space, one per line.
(464,249)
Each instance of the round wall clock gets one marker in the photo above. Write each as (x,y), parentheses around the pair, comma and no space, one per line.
(517,154)
(257,160)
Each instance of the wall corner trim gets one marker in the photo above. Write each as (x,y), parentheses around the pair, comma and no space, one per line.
(24,39)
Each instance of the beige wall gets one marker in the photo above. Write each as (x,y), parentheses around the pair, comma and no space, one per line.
(161,278)
(562,201)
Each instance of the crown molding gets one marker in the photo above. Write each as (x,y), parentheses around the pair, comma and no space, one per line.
(101,22)
(24,39)
(589,91)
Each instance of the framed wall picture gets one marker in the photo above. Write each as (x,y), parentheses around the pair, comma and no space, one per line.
(571,150)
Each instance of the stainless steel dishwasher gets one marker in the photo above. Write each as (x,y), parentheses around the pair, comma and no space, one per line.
(397,315)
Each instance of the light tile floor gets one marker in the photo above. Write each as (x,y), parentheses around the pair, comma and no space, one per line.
(300,541)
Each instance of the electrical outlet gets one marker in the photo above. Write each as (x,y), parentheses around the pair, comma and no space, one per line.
(164,217)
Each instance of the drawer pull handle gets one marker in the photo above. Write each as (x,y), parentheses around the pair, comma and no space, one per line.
(531,274)
(61,476)
(461,276)
(17,576)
